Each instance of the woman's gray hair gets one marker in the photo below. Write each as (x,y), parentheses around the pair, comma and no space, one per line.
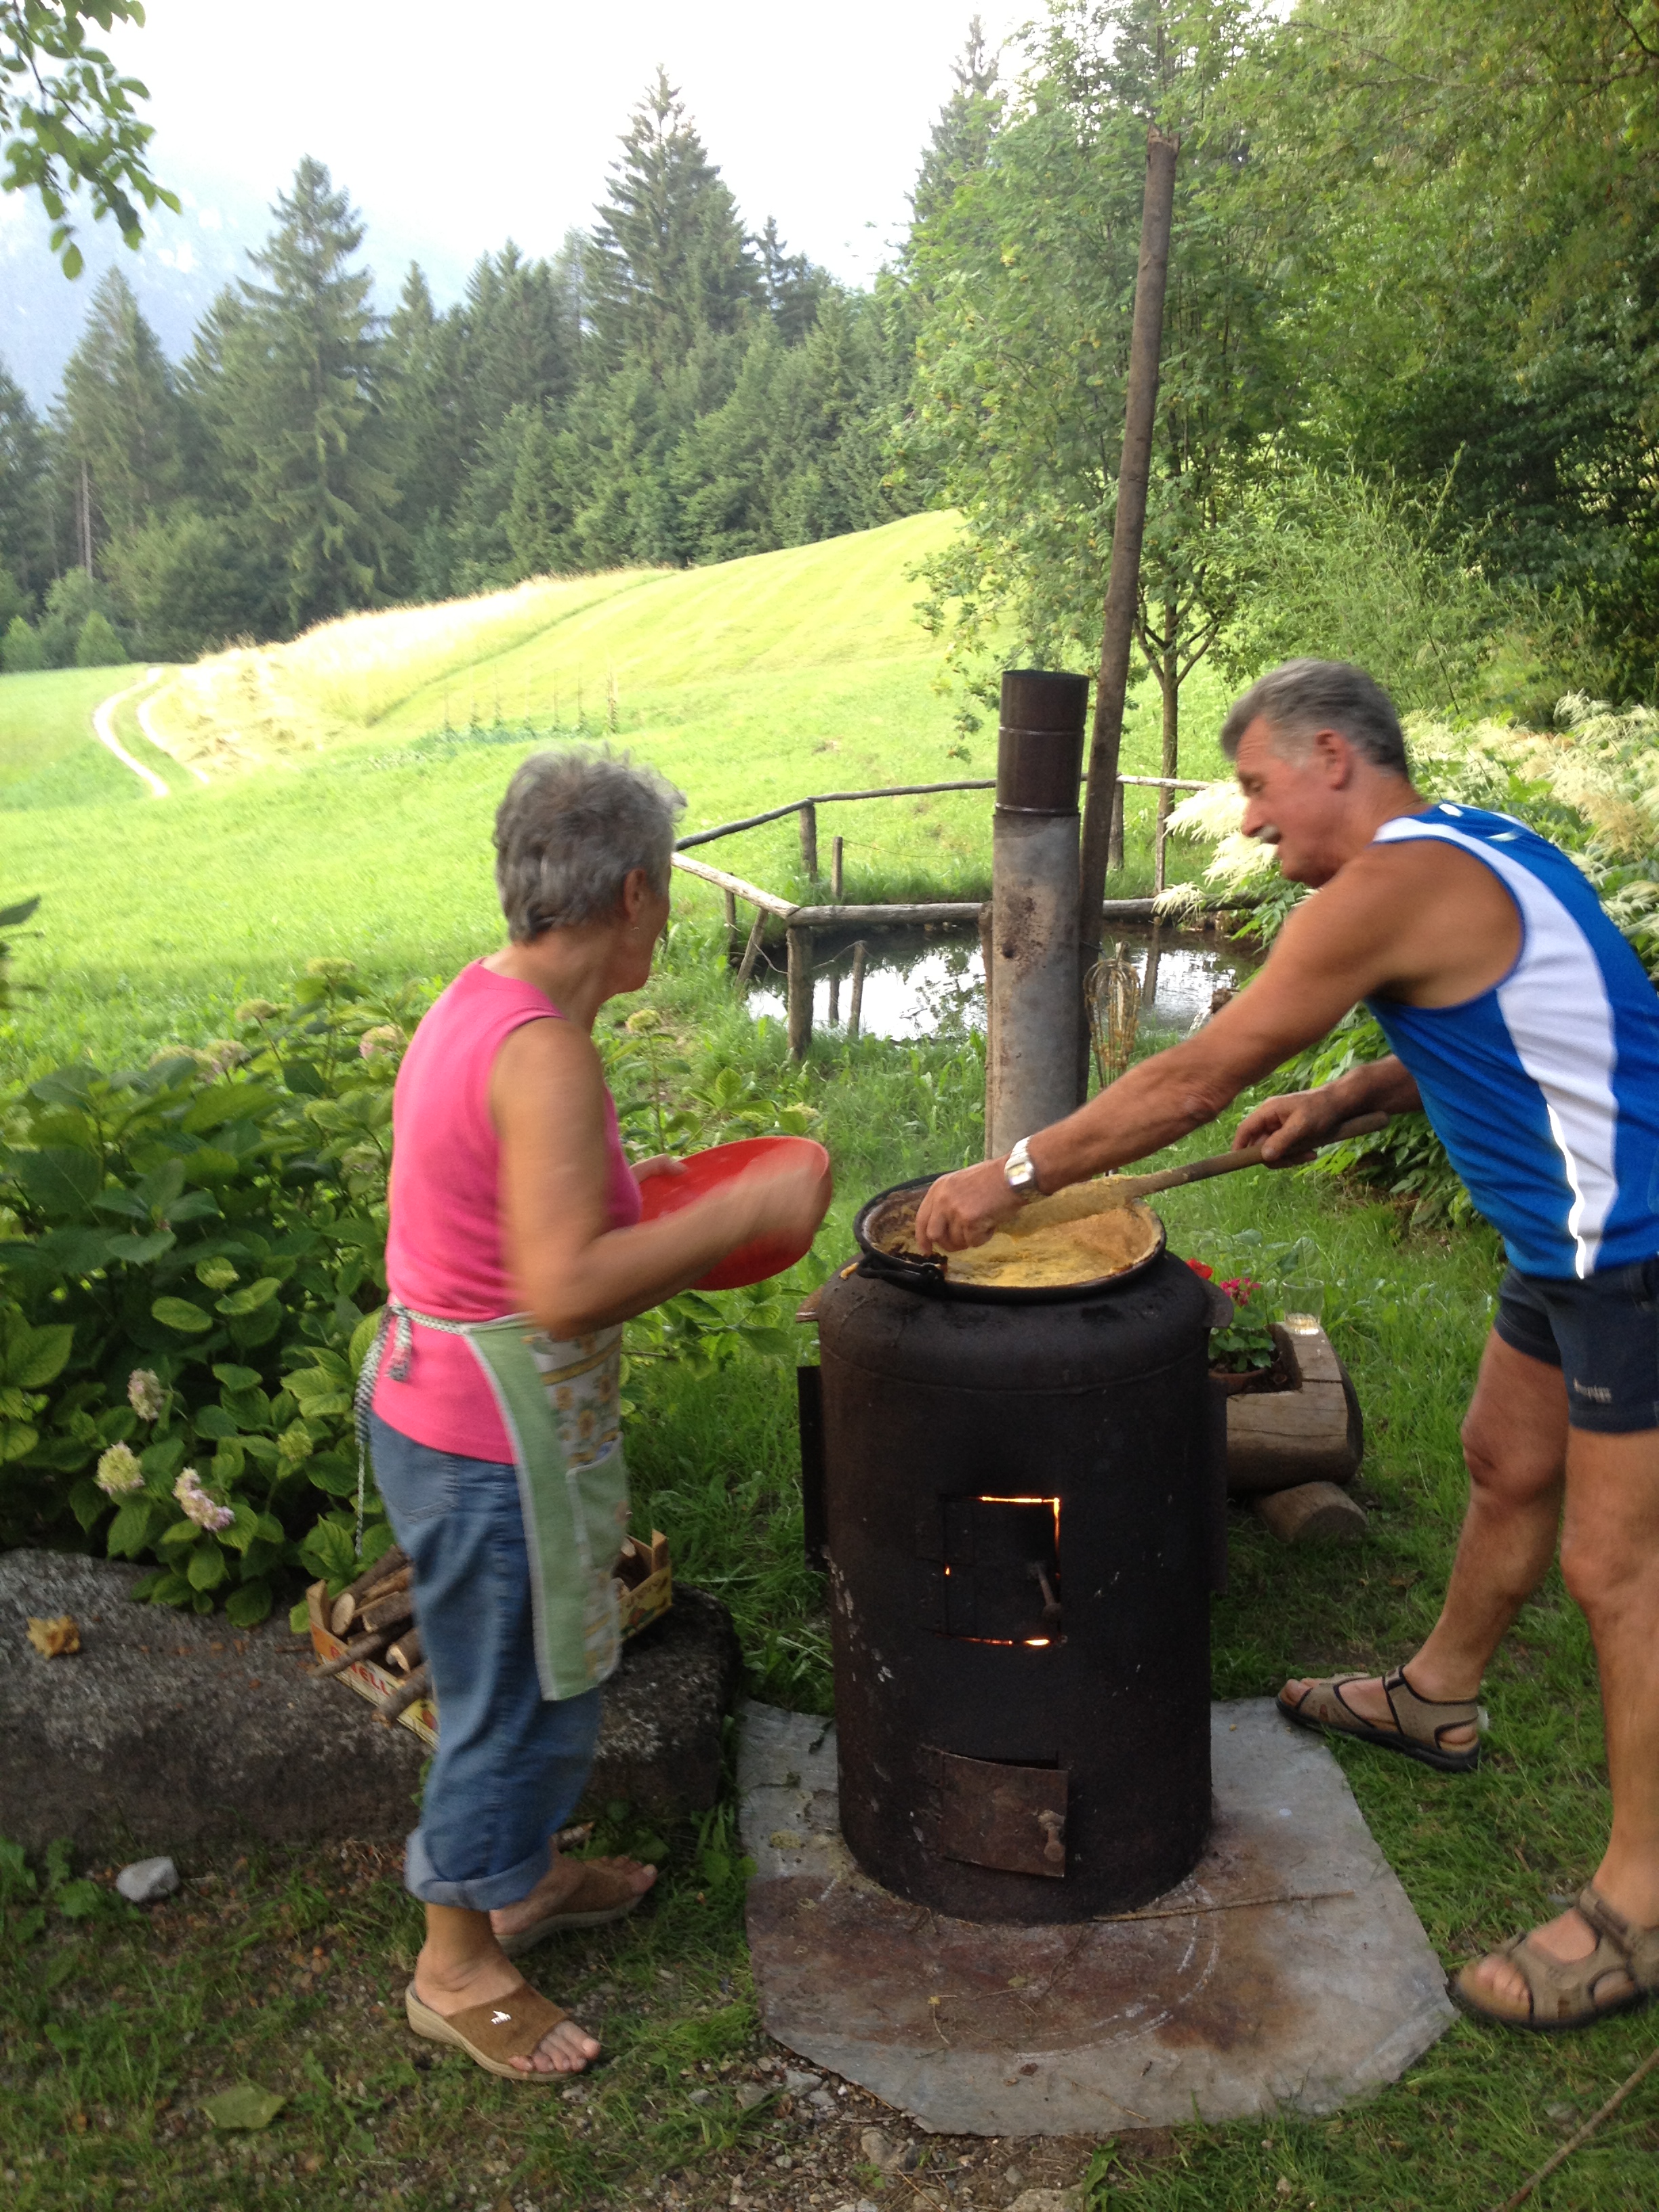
(1302,697)
(574,826)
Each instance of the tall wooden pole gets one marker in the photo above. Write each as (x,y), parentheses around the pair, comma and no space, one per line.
(1123,583)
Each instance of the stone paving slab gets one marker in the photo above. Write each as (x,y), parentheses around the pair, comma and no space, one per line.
(1288,1971)
(167,1728)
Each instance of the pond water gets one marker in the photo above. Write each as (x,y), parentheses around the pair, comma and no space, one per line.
(917,982)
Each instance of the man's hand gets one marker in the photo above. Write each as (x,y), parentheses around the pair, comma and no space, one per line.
(965,1208)
(1290,1129)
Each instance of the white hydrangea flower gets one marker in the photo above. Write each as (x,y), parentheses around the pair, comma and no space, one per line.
(119,1472)
(203,1510)
(147,1394)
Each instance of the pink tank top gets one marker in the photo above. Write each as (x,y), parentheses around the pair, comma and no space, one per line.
(444,1252)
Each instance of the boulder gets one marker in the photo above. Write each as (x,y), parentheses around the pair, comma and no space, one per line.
(167,1729)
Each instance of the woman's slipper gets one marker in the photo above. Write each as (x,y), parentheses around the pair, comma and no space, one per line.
(493,2035)
(1622,1970)
(601,1894)
(1419,1723)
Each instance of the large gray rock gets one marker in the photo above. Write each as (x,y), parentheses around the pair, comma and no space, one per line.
(167,1729)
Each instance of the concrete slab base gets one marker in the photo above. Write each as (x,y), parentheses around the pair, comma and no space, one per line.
(1288,1971)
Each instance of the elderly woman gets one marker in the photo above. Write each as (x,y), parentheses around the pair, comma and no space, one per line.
(516,1252)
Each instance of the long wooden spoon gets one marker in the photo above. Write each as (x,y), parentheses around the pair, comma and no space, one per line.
(1130,1188)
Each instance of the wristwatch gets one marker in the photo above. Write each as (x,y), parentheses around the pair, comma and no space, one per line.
(1019,1170)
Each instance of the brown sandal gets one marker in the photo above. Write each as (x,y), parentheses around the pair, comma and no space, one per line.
(493,2035)
(601,1894)
(1563,1994)
(1416,1733)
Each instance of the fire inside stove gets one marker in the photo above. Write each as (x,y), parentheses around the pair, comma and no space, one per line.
(992,1571)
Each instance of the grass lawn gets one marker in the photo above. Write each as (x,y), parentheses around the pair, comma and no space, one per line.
(368,836)
(370,839)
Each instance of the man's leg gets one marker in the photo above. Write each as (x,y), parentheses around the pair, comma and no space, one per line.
(1515,1445)
(1610,1562)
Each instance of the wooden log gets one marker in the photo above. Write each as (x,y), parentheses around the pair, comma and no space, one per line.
(731,900)
(1312,1432)
(386,1611)
(407,1693)
(837,853)
(808,842)
(855,996)
(782,908)
(1312,1512)
(828,799)
(381,1575)
(801,993)
(361,1647)
(895,916)
(407,1651)
(751,950)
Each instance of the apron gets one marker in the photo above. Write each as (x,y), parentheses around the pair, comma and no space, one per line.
(558,1403)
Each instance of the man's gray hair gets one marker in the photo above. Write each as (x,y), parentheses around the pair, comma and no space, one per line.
(573,827)
(1302,697)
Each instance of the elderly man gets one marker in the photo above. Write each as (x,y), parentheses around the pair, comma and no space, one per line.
(1524,1025)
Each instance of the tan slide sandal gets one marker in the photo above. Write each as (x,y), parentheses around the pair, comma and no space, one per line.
(493,2035)
(601,1894)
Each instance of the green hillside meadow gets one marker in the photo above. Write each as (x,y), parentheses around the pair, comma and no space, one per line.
(353,817)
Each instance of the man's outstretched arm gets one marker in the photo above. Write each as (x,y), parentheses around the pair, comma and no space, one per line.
(1329,954)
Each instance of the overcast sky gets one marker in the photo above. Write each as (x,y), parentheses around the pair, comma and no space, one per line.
(455,126)
(454,130)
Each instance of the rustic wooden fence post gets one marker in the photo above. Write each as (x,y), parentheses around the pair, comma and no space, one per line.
(751,950)
(808,842)
(856,996)
(800,992)
(1128,526)
(837,845)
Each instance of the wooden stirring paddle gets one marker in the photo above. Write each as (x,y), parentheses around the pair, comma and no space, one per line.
(1130,1188)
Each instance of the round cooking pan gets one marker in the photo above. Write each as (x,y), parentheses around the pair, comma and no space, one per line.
(927,1276)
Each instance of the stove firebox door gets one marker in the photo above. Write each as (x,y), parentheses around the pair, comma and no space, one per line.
(1011,1818)
(991,1568)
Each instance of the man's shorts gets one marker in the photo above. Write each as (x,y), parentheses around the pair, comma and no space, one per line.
(1602,1333)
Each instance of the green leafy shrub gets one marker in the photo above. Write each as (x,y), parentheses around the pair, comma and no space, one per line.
(191,1263)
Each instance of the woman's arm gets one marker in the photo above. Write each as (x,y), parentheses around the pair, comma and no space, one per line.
(574,1273)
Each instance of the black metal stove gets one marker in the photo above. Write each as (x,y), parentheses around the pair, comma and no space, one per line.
(1021,1504)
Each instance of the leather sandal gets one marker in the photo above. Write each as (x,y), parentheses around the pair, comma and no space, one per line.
(1419,1723)
(601,1894)
(1622,1972)
(493,2035)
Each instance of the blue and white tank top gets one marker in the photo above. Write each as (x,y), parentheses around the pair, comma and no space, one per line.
(1544,1089)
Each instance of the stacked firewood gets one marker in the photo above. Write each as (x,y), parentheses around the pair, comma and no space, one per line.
(376,1616)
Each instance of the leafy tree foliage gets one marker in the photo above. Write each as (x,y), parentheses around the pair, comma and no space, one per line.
(25,547)
(67,120)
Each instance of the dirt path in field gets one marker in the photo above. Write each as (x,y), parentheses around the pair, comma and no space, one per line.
(103,726)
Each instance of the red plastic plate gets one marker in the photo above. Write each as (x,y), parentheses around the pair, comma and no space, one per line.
(702,1172)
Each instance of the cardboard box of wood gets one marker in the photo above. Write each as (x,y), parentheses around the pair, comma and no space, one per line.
(367,1636)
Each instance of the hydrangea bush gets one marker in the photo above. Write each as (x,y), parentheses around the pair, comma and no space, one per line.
(191,1265)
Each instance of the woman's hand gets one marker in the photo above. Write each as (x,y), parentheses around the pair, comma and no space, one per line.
(786,1198)
(661,1163)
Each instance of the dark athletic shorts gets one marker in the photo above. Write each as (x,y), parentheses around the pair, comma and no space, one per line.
(1602,1333)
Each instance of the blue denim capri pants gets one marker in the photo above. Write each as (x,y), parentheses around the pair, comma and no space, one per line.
(510,1765)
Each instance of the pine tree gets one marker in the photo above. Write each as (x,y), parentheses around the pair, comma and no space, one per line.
(669,260)
(967,122)
(540,516)
(24,512)
(298,391)
(119,418)
(794,288)
(426,421)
